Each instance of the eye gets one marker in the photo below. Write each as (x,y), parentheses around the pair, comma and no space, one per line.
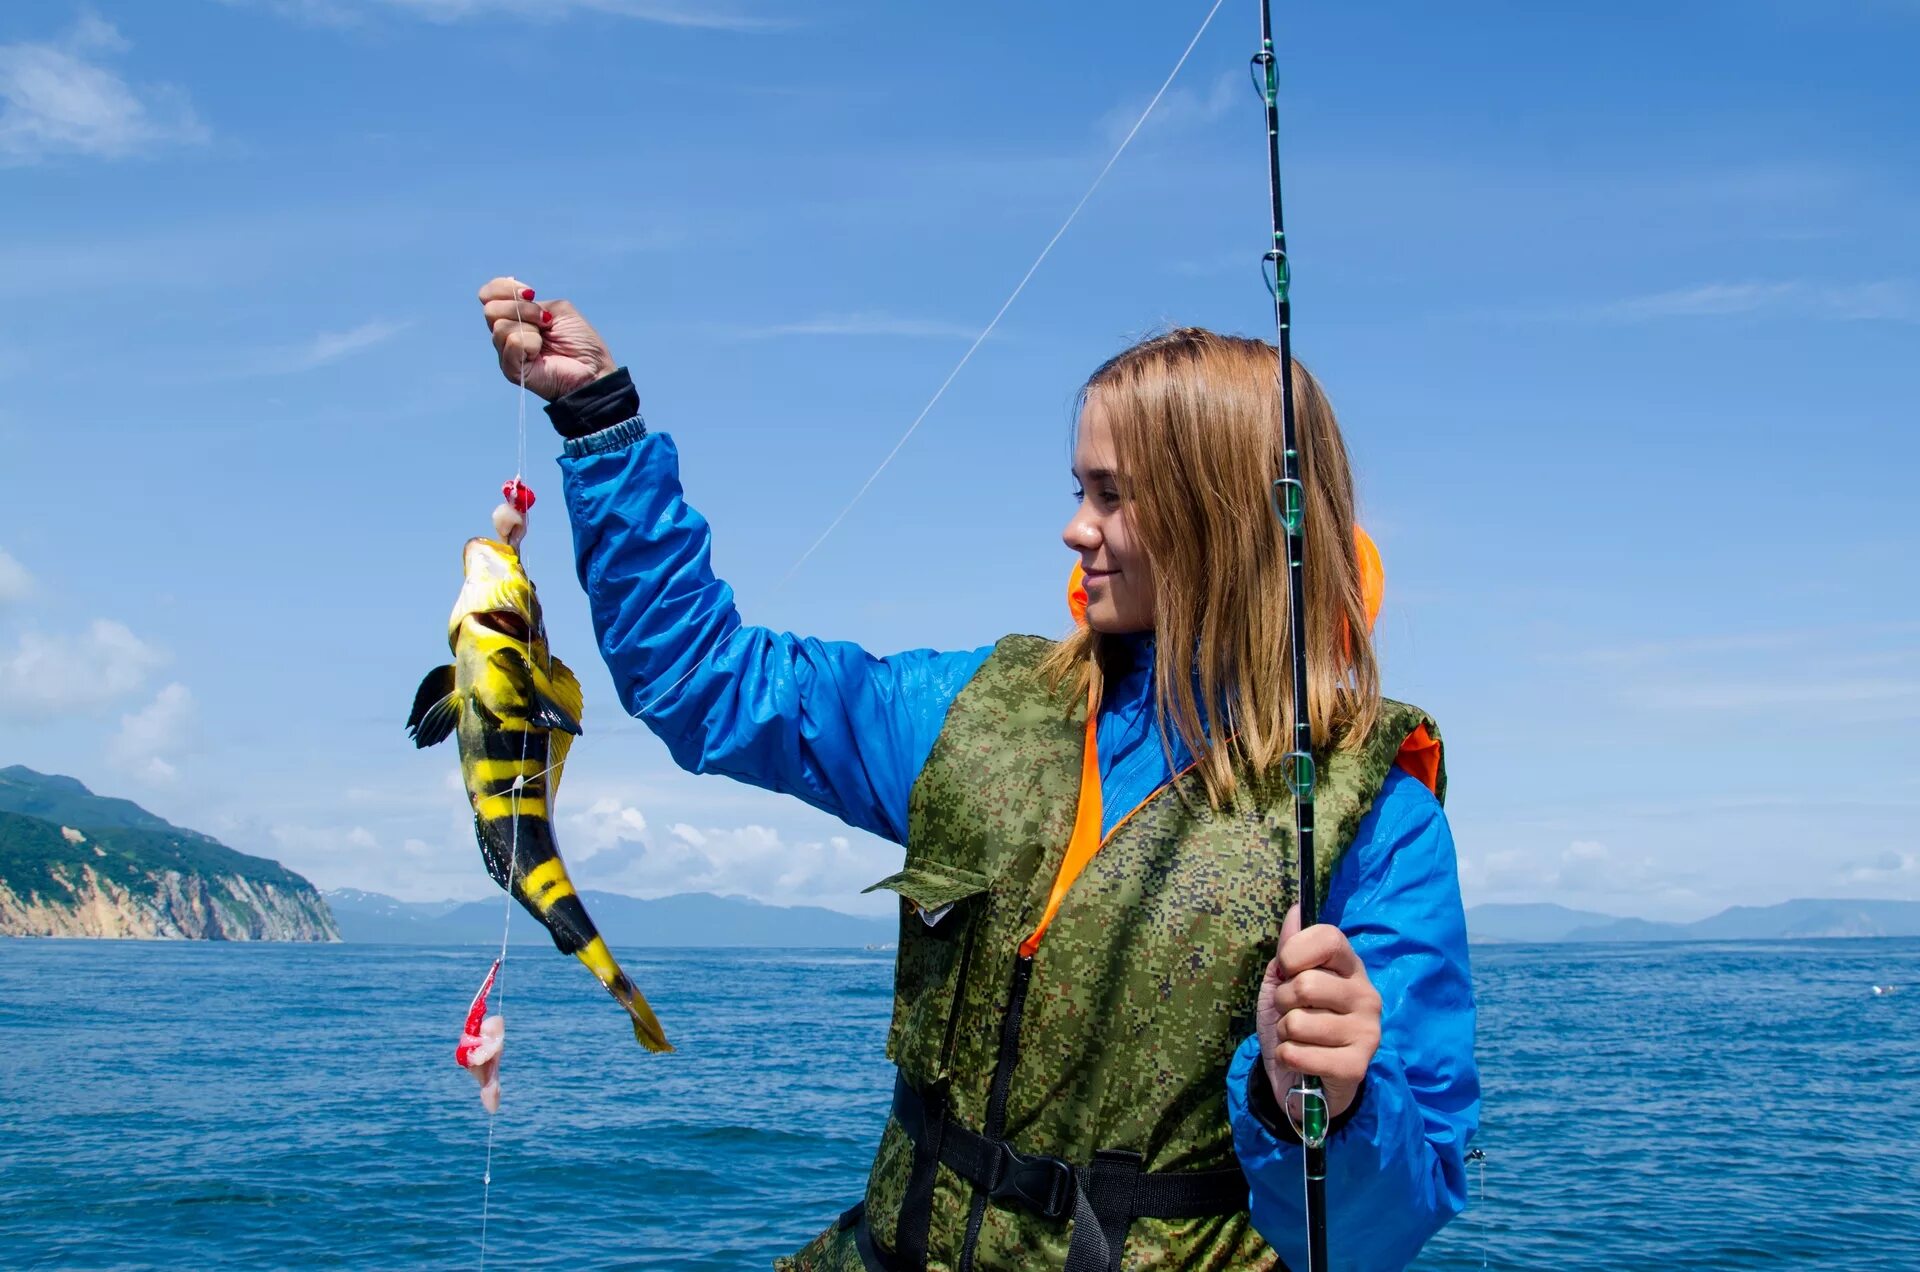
(1079,495)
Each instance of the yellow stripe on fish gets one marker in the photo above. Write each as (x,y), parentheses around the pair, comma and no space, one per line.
(481,769)
(599,959)
(547,883)
(524,804)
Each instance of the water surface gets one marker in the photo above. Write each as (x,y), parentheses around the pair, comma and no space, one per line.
(175,1104)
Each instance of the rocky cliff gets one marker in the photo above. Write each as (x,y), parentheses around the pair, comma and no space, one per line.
(138,877)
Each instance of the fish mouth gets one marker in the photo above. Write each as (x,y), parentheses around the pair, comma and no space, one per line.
(506,622)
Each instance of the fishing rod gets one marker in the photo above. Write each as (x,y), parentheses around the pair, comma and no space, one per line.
(1288,494)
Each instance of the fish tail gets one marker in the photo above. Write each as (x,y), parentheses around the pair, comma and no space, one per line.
(546,891)
(646,1026)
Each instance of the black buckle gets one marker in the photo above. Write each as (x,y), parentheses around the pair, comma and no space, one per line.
(1043,1185)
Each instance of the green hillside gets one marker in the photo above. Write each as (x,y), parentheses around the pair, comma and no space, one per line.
(76,864)
(31,848)
(67,802)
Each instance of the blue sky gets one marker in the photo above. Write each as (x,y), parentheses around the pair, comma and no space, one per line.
(1619,306)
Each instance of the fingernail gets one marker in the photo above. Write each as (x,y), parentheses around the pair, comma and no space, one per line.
(545,317)
(526,293)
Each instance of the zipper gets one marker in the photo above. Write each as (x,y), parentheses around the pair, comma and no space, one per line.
(959,997)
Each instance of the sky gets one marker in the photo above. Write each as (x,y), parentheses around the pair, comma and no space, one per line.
(1618,305)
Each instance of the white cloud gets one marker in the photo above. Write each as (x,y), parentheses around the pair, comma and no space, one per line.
(1889,300)
(16,584)
(861,323)
(328,346)
(1769,695)
(1865,668)
(602,825)
(150,740)
(1710,300)
(45,675)
(354,855)
(1182,108)
(1668,649)
(1585,874)
(687,13)
(59,98)
(1888,867)
(608,846)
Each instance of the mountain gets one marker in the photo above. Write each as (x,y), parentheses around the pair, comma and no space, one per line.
(66,801)
(694,919)
(73,863)
(1530,923)
(1788,921)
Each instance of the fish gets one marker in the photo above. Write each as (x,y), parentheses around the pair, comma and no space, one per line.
(515,710)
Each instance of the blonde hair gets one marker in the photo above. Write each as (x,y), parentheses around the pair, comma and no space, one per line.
(1195,421)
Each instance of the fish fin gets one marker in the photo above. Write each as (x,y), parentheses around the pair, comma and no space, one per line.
(549,713)
(646,1027)
(497,855)
(554,707)
(566,692)
(559,743)
(606,969)
(436,708)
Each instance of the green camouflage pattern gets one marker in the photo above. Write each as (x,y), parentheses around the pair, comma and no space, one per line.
(1141,991)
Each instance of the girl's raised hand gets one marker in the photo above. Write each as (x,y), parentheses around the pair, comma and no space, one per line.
(1318,1014)
(548,344)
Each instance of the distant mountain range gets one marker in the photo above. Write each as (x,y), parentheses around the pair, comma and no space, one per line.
(1788,921)
(690,919)
(73,863)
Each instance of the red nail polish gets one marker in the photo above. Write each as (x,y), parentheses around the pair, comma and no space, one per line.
(545,317)
(526,293)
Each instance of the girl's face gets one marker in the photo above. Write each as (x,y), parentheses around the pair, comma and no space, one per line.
(1119,584)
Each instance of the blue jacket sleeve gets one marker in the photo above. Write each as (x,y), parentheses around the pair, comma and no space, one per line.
(1396,1170)
(845,731)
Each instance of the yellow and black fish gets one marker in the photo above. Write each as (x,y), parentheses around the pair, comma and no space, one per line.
(516,709)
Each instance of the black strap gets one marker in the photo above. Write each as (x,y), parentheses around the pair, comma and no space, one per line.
(1103,1198)
(1114,1181)
(916,1206)
(872,1259)
(1003,1066)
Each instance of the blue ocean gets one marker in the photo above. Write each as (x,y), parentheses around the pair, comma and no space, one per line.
(188,1105)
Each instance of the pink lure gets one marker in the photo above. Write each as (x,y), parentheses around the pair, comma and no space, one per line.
(478,1051)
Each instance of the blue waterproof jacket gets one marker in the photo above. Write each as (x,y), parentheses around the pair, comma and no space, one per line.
(848,733)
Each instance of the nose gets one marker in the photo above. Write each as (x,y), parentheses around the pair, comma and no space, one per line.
(1082,532)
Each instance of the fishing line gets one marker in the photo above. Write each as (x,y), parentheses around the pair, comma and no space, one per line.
(513,852)
(973,348)
(500,1002)
(1479,1156)
(1015,295)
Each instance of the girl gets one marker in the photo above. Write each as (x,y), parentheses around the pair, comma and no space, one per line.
(1093,1045)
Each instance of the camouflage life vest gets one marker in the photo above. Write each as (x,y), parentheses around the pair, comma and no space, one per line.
(1085,1087)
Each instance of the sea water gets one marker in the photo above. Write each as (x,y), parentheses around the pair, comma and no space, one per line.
(197,1105)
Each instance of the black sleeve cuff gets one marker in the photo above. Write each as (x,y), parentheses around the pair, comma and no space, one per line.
(594,407)
(1263,1105)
